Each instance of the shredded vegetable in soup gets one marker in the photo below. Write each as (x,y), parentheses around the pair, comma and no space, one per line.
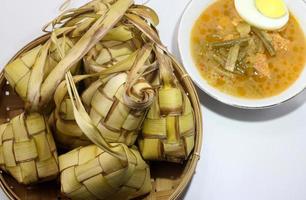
(245,61)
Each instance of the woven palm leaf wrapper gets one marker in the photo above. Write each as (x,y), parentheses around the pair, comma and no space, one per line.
(111,104)
(28,75)
(66,131)
(168,130)
(27,149)
(27,72)
(116,46)
(101,171)
(120,42)
(80,19)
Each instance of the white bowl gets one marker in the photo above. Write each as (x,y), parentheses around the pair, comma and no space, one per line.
(191,14)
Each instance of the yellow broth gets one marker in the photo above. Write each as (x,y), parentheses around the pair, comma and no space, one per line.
(285,67)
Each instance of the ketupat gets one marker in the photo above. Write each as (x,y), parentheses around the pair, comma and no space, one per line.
(120,42)
(168,130)
(66,131)
(91,173)
(116,121)
(117,107)
(101,171)
(116,46)
(27,149)
(27,73)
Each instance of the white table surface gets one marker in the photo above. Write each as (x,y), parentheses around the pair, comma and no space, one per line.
(246,155)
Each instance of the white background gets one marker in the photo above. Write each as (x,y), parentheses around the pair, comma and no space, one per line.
(246,155)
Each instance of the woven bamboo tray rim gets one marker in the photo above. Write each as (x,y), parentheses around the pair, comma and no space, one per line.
(191,163)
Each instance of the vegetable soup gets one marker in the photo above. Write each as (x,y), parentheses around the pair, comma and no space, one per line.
(245,61)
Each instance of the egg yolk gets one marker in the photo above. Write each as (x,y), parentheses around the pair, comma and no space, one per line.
(271,8)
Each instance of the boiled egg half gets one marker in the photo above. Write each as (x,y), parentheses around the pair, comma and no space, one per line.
(263,14)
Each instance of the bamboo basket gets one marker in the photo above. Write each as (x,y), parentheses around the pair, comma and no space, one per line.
(169,180)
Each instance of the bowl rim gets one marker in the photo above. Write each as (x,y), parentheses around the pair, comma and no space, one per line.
(188,62)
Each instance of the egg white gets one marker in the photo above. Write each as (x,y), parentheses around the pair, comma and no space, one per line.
(248,12)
